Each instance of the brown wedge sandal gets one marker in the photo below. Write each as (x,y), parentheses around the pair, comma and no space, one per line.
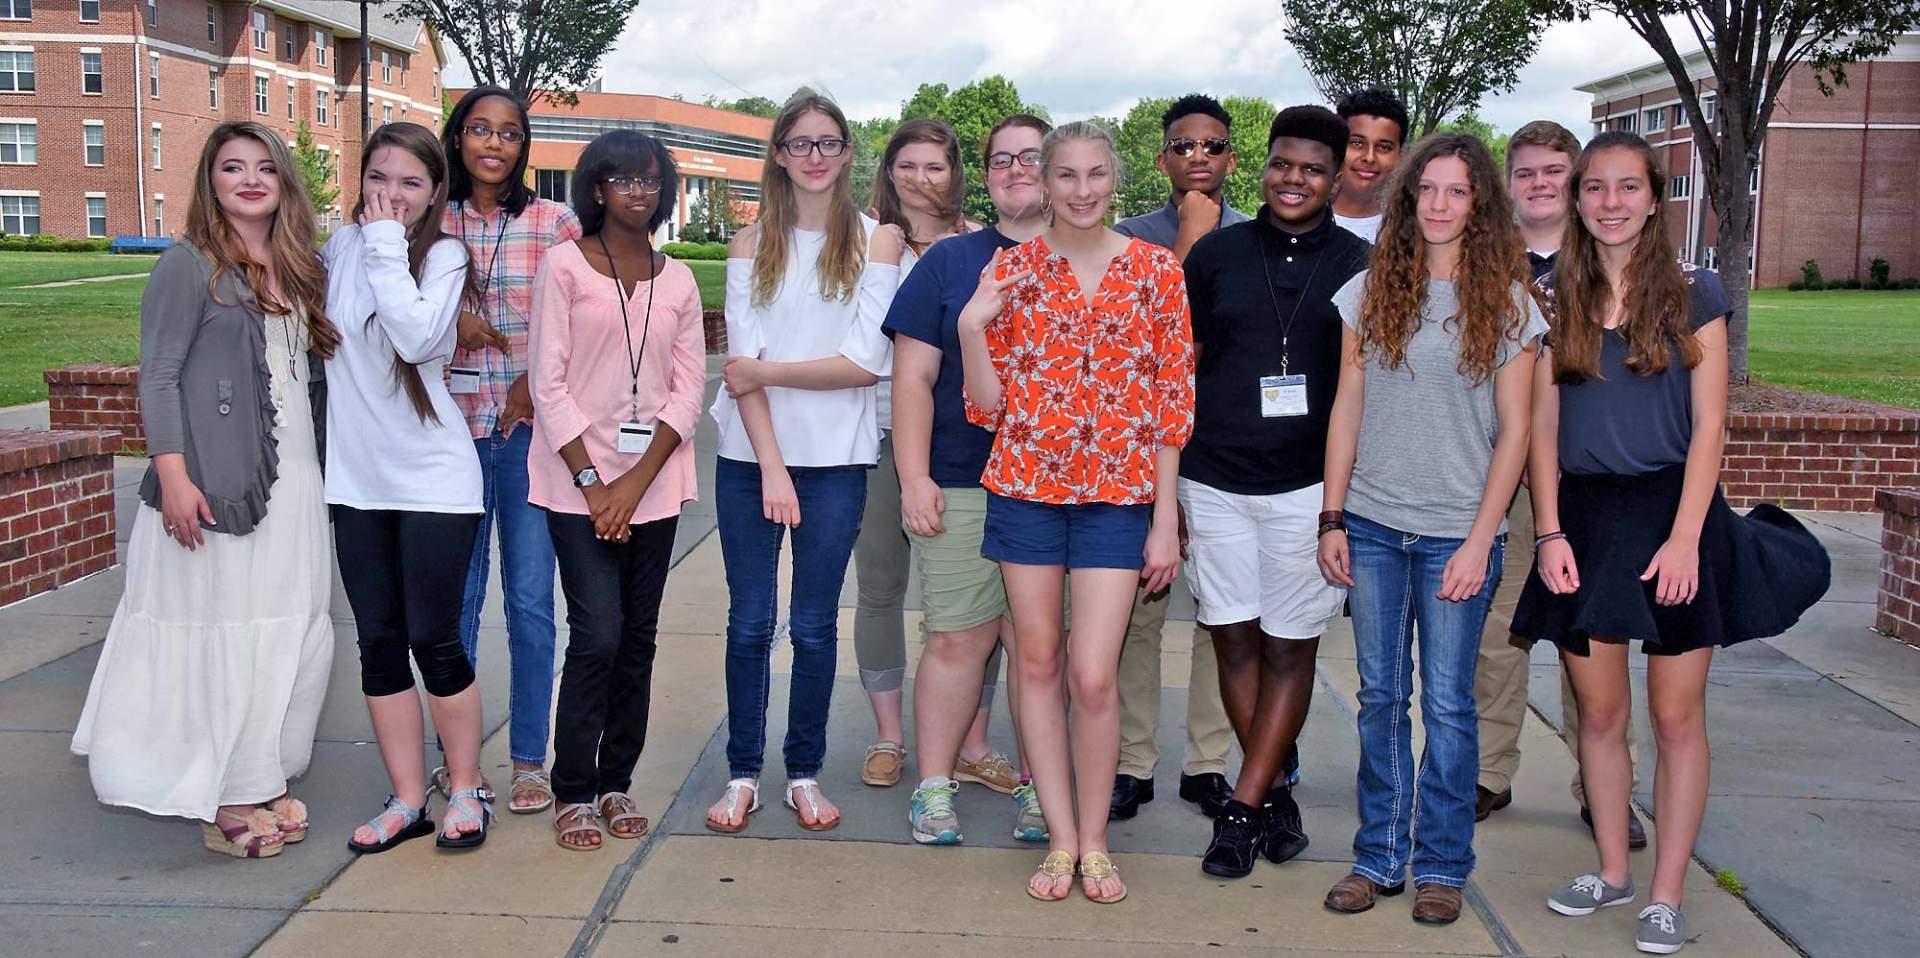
(257,835)
(623,816)
(576,819)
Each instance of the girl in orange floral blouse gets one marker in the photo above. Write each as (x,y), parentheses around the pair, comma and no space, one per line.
(1079,356)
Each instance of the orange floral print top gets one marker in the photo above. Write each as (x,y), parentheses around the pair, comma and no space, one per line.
(1089,393)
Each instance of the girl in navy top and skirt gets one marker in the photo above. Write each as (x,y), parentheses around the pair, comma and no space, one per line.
(1636,541)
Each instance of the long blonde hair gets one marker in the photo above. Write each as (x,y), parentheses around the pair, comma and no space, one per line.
(846,251)
(302,278)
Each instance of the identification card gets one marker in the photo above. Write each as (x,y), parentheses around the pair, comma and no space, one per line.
(1283,396)
(463,381)
(635,437)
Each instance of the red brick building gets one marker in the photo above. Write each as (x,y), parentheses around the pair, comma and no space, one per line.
(105,104)
(1839,177)
(707,144)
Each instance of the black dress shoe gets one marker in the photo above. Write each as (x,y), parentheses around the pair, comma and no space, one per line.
(1286,836)
(1636,832)
(1487,801)
(1129,794)
(1237,833)
(1209,790)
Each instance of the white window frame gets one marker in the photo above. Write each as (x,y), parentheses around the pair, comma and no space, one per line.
(386,65)
(87,205)
(386,113)
(213,88)
(153,13)
(1680,187)
(33,195)
(293,99)
(320,108)
(1710,107)
(154,139)
(262,93)
(159,214)
(289,38)
(1681,118)
(153,74)
(13,9)
(322,42)
(213,24)
(87,127)
(31,74)
(1654,120)
(83,11)
(257,20)
(20,146)
(99,71)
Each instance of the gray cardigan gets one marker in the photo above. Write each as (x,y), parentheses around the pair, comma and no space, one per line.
(205,388)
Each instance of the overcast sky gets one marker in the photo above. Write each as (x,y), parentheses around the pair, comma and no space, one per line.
(1074,57)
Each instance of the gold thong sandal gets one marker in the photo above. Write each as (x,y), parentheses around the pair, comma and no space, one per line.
(1057,864)
(1097,866)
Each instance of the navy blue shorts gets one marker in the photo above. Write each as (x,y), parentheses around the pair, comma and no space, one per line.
(1092,535)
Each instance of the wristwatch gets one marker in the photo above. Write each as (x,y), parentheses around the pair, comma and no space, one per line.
(587,477)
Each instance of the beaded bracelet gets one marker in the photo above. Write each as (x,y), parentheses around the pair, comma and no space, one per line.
(1549,537)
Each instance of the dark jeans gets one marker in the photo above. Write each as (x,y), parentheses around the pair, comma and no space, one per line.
(404,573)
(613,592)
(831,500)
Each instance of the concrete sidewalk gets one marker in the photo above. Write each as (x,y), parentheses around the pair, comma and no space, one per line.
(1816,756)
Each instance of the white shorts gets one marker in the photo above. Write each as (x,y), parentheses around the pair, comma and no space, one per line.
(1255,557)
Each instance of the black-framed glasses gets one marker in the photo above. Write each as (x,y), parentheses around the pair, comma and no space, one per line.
(1004,160)
(800,146)
(1185,146)
(483,132)
(624,185)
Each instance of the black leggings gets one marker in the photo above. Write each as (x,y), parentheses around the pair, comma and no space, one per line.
(405,574)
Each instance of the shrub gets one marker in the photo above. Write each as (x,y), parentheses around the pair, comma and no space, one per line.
(696,251)
(42,243)
(1850,283)
(1796,286)
(1877,272)
(1815,284)
(1810,274)
(1911,282)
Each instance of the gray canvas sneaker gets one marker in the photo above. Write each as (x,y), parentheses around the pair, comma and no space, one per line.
(1663,930)
(1588,894)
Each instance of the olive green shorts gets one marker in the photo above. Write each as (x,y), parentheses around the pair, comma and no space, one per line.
(960,589)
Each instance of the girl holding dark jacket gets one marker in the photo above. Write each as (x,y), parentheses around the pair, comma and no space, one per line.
(208,691)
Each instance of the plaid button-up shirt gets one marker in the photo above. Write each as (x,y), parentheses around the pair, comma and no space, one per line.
(506,256)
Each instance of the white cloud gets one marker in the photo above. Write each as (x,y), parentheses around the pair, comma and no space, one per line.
(1076,59)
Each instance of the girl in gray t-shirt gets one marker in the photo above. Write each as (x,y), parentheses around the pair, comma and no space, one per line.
(1424,451)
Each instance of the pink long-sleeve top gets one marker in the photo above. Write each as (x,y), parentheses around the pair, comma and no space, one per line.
(581,375)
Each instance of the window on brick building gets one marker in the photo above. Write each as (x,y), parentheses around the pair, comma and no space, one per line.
(1679,188)
(1680,117)
(1655,120)
(153,13)
(89,11)
(213,24)
(19,213)
(321,40)
(96,215)
(16,9)
(386,113)
(153,75)
(289,38)
(319,108)
(1709,106)
(19,143)
(386,66)
(90,80)
(260,95)
(552,184)
(16,70)
(259,18)
(291,96)
(213,88)
(94,137)
(159,214)
(156,146)
(1753,180)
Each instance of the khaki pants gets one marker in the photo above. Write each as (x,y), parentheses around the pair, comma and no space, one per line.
(1208,733)
(1500,684)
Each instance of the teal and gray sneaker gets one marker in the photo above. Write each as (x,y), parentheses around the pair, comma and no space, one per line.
(1663,930)
(931,812)
(1028,824)
(1588,894)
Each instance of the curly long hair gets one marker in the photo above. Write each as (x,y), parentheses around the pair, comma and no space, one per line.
(1493,261)
(846,252)
(1654,319)
(301,278)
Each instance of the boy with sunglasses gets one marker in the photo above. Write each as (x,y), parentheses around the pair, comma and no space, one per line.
(1196,154)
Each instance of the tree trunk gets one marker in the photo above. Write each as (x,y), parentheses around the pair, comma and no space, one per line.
(1733,204)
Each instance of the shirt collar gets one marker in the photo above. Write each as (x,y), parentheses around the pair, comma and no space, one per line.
(1311,239)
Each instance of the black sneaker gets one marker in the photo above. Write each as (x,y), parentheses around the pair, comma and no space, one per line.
(1291,769)
(1236,842)
(1286,836)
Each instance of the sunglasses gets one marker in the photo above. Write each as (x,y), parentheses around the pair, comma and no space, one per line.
(1184,147)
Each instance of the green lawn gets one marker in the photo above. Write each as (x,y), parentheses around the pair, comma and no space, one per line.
(1855,343)
(712,277)
(26,269)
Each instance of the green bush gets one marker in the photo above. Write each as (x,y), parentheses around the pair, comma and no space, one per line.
(1796,286)
(42,243)
(696,251)
(1810,274)
(1850,283)
(1911,282)
(1815,285)
(1877,273)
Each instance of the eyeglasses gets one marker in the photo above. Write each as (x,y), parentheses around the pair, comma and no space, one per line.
(800,146)
(624,185)
(483,132)
(1004,160)
(1184,147)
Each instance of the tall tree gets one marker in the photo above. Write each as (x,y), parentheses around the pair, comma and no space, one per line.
(540,49)
(723,211)
(971,110)
(754,106)
(1440,56)
(316,171)
(869,142)
(1752,48)
(1472,125)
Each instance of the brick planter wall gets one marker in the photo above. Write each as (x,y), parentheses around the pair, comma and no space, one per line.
(1825,462)
(56,508)
(97,396)
(716,323)
(1897,610)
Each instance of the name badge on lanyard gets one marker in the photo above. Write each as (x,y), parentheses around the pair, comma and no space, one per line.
(635,436)
(1283,396)
(463,382)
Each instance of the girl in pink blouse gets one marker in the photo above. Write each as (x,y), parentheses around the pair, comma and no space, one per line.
(618,358)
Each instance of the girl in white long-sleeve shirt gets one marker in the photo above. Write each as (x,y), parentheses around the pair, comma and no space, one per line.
(403,480)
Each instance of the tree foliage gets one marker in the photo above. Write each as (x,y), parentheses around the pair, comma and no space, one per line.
(1143,187)
(1440,56)
(1753,48)
(316,171)
(1473,126)
(540,49)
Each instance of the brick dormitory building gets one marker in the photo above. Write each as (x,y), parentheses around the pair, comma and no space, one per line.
(105,104)
(1838,180)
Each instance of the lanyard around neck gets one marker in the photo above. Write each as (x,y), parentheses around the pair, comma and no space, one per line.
(626,325)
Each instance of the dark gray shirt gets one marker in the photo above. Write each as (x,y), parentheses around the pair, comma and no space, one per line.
(1625,424)
(1162,226)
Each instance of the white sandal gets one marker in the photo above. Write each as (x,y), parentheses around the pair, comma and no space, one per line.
(809,790)
(732,800)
